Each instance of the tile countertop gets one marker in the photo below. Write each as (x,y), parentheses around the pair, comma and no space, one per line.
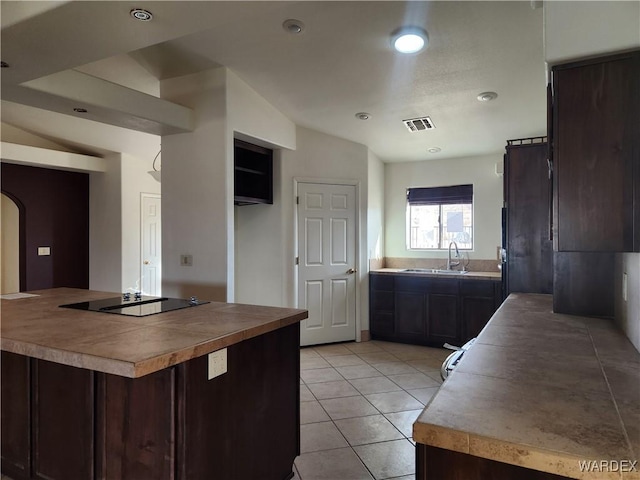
(544,391)
(124,345)
(471,275)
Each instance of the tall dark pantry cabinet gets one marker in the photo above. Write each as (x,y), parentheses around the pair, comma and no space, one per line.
(528,267)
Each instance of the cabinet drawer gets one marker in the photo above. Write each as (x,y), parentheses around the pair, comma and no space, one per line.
(381,282)
(447,286)
(412,284)
(477,288)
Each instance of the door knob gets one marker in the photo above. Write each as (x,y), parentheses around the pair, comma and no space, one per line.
(351,271)
(146,262)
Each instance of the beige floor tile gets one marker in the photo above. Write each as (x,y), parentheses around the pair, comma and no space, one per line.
(338,464)
(374,385)
(394,402)
(348,407)
(378,357)
(429,364)
(320,436)
(345,360)
(423,395)
(296,476)
(340,388)
(435,375)
(308,352)
(332,350)
(403,421)
(319,375)
(394,368)
(413,380)
(358,371)
(363,347)
(313,362)
(388,459)
(305,394)
(371,429)
(312,412)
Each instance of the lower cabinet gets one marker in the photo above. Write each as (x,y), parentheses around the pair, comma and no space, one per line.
(430,311)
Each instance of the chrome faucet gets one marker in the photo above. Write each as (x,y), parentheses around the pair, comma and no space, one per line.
(449,262)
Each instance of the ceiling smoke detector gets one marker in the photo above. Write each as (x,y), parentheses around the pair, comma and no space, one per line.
(419,124)
(292,26)
(141,14)
(80,110)
(434,149)
(363,116)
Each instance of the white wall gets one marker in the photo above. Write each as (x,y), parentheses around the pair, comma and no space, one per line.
(375,212)
(575,30)
(134,181)
(321,156)
(105,227)
(627,313)
(11,134)
(487,201)
(257,255)
(197,205)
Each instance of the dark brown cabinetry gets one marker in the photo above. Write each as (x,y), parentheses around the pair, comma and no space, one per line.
(62,422)
(596,154)
(527,191)
(430,311)
(253,174)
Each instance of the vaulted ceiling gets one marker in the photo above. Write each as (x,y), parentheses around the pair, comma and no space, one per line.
(94,55)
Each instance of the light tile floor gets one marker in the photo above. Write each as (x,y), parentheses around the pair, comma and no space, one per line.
(358,402)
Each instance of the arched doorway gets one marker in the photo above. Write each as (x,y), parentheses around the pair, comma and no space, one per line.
(10,246)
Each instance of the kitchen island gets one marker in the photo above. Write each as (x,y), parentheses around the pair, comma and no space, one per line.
(93,395)
(538,396)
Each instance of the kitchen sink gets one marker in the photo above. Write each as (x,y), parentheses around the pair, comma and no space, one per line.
(436,271)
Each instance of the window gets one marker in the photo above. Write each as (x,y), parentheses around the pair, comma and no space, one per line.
(439,215)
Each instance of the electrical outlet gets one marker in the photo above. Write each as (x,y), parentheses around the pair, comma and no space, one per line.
(217,363)
(44,251)
(186,260)
(624,286)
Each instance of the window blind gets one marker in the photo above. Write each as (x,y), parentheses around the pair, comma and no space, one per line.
(440,195)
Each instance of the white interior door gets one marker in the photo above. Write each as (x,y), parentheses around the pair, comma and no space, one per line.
(151,239)
(327,262)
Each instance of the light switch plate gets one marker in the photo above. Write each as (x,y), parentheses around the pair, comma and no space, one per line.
(186,260)
(44,251)
(217,363)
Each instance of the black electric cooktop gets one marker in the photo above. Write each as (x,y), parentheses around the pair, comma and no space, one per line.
(135,306)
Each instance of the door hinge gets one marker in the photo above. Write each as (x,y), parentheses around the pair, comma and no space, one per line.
(297,260)
(297,200)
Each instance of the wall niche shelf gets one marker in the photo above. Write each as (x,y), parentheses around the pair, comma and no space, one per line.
(253,174)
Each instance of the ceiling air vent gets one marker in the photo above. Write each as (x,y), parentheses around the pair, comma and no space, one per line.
(419,124)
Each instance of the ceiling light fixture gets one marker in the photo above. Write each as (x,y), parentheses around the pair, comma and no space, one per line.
(292,26)
(409,39)
(141,14)
(155,173)
(363,116)
(487,96)
(80,110)
(433,149)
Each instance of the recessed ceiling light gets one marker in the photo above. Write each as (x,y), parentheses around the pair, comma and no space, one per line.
(4,64)
(363,116)
(293,26)
(487,96)
(80,110)
(141,14)
(409,39)
(433,149)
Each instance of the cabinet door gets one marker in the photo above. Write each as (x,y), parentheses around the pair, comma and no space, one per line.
(15,420)
(476,312)
(410,315)
(529,249)
(596,157)
(381,306)
(443,320)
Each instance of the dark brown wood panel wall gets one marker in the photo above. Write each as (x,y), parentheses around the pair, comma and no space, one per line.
(56,214)
(15,418)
